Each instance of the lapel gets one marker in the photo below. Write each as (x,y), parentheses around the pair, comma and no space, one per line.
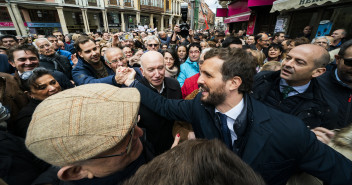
(259,133)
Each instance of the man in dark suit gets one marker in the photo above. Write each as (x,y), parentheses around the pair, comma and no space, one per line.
(273,143)
(158,130)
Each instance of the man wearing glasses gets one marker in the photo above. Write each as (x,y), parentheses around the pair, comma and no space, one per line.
(114,58)
(321,41)
(86,148)
(261,43)
(152,43)
(191,66)
(337,87)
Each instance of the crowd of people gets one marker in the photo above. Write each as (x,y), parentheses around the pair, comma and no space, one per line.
(148,107)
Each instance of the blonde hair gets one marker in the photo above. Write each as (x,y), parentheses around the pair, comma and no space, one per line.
(259,56)
(270,66)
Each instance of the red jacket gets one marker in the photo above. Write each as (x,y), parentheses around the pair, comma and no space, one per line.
(190,85)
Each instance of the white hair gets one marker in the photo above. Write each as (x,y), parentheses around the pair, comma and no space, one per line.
(35,45)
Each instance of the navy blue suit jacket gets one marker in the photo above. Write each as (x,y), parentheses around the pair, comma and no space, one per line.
(278,144)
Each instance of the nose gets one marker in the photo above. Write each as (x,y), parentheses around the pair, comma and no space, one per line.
(51,88)
(157,73)
(288,63)
(200,79)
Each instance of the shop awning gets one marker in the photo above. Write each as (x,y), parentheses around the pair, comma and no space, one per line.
(281,5)
(238,18)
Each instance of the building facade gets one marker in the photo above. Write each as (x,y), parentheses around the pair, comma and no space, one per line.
(23,17)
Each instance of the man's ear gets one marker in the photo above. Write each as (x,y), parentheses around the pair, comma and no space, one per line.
(80,54)
(140,68)
(318,71)
(235,83)
(69,173)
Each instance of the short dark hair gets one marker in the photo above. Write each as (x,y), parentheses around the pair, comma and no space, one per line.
(200,161)
(82,40)
(194,44)
(231,40)
(344,47)
(50,36)
(237,62)
(8,36)
(276,46)
(301,40)
(24,47)
(277,34)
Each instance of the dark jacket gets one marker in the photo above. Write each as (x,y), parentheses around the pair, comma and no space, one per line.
(158,130)
(278,144)
(24,117)
(5,67)
(310,106)
(84,73)
(18,166)
(339,97)
(70,48)
(56,62)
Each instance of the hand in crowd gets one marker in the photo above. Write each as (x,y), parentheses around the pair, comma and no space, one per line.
(177,28)
(74,59)
(191,136)
(176,140)
(115,40)
(324,135)
(125,75)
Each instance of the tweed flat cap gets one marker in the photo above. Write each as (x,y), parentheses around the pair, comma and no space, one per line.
(80,123)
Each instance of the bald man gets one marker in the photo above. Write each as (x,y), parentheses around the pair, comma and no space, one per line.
(295,90)
(158,130)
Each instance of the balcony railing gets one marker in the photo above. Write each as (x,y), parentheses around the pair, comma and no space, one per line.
(113,2)
(128,3)
(92,2)
(70,1)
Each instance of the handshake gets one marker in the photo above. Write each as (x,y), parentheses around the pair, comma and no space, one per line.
(125,75)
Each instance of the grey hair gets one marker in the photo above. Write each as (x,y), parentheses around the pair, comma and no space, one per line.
(109,50)
(35,45)
(205,50)
(321,37)
(151,37)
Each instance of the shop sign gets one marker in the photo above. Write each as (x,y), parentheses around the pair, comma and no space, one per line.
(33,24)
(307,2)
(6,24)
(281,24)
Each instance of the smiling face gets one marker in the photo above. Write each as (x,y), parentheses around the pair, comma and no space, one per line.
(250,40)
(274,53)
(169,60)
(46,86)
(90,53)
(211,83)
(24,61)
(182,52)
(194,54)
(153,69)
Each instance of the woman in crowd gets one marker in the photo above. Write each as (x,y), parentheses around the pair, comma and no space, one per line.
(103,49)
(182,53)
(172,63)
(38,84)
(274,53)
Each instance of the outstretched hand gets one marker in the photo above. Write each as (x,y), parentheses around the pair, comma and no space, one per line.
(324,135)
(125,75)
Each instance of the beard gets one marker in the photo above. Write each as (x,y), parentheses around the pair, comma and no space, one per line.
(214,98)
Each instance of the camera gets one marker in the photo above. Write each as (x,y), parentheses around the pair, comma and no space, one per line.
(184,27)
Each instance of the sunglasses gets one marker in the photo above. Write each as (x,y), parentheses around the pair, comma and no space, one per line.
(348,61)
(151,45)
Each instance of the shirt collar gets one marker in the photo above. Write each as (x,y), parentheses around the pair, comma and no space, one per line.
(299,89)
(235,111)
(161,90)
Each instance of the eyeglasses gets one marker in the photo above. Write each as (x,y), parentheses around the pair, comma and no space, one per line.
(118,60)
(128,148)
(151,45)
(194,52)
(348,61)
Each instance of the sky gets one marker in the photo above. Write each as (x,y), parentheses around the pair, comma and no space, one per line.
(212,5)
